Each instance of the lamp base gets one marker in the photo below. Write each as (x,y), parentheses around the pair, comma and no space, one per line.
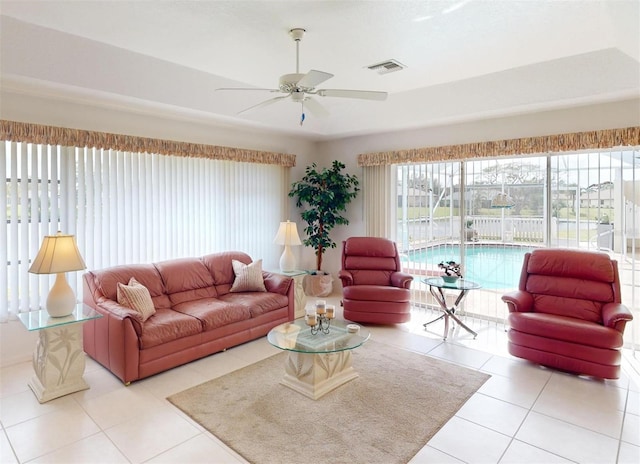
(61,300)
(287,260)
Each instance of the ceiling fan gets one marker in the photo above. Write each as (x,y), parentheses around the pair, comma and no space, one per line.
(301,88)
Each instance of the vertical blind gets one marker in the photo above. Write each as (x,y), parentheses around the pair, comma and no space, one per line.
(126,207)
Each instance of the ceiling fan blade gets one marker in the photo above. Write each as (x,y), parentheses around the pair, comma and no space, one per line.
(315,108)
(264,103)
(248,88)
(362,94)
(313,78)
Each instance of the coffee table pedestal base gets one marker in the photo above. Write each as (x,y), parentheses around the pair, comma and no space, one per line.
(316,374)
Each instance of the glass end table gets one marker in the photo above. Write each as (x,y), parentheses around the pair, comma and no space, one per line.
(317,364)
(58,360)
(437,285)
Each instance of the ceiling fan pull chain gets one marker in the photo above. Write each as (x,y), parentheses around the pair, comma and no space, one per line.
(302,115)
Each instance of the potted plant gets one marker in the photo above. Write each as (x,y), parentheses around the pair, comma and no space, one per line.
(452,271)
(470,233)
(324,196)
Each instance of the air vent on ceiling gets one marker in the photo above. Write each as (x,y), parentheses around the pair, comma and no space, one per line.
(387,67)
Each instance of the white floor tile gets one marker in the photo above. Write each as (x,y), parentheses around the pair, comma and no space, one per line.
(6,452)
(23,406)
(96,449)
(587,403)
(50,432)
(429,455)
(631,429)
(461,355)
(521,391)
(567,440)
(494,414)
(628,454)
(172,381)
(523,453)
(147,436)
(200,449)
(469,442)
(14,379)
(121,405)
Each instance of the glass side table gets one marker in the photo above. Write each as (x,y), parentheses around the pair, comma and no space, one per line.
(436,287)
(58,360)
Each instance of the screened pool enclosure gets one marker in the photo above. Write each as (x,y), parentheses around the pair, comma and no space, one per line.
(486,214)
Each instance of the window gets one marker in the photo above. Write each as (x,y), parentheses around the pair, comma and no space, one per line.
(128,207)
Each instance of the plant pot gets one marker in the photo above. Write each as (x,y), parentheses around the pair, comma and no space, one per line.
(450,279)
(318,284)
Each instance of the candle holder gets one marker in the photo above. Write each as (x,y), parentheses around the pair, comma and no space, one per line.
(320,319)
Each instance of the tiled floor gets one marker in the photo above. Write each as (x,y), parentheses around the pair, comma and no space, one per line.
(522,414)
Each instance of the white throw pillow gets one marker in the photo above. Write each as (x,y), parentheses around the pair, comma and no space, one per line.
(136,296)
(248,277)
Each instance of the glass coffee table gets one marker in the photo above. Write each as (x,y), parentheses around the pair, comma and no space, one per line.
(317,363)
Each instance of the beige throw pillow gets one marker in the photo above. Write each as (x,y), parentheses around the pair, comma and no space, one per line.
(136,296)
(248,277)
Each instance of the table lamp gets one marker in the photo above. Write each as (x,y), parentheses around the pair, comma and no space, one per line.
(288,236)
(58,254)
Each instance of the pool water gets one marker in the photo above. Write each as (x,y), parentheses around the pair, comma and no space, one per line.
(492,266)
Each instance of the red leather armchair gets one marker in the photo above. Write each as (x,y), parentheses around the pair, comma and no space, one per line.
(567,312)
(375,289)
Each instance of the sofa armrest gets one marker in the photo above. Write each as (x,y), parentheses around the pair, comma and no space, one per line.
(616,315)
(518,301)
(117,310)
(346,277)
(401,279)
(276,283)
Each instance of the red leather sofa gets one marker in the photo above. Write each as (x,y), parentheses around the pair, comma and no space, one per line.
(567,312)
(375,289)
(196,314)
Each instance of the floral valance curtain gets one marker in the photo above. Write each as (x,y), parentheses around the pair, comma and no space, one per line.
(51,135)
(608,138)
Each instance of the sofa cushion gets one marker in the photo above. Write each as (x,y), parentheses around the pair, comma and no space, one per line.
(168,325)
(220,268)
(106,281)
(256,302)
(136,296)
(248,277)
(213,313)
(186,279)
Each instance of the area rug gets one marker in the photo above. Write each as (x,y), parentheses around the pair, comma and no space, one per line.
(386,415)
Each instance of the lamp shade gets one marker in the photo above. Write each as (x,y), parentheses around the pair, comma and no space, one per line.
(58,253)
(287,234)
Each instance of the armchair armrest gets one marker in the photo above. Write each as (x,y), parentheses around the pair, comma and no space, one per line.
(518,301)
(401,279)
(346,277)
(616,315)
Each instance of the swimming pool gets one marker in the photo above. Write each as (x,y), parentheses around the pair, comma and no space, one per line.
(492,266)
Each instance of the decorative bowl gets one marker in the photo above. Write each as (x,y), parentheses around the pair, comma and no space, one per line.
(450,279)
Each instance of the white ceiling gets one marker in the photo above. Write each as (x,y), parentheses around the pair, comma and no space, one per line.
(465,59)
